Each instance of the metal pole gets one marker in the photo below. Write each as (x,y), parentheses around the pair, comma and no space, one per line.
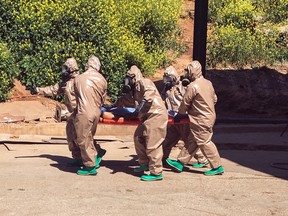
(200,32)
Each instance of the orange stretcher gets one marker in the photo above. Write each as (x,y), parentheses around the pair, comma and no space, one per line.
(123,121)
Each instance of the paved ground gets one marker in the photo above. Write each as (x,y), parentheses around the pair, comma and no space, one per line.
(36,181)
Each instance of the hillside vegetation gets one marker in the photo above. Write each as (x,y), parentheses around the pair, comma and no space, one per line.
(42,34)
(247,32)
(36,37)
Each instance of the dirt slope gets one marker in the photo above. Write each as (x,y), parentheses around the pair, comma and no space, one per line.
(186,24)
(20,93)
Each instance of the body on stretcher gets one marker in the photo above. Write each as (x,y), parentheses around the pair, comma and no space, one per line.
(117,116)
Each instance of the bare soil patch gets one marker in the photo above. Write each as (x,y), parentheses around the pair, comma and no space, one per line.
(20,93)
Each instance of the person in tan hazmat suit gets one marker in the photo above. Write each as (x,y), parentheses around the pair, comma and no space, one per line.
(151,131)
(198,102)
(172,94)
(66,87)
(90,92)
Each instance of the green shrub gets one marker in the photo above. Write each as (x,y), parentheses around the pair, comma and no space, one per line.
(273,10)
(120,32)
(239,13)
(243,34)
(214,8)
(234,46)
(229,45)
(8,71)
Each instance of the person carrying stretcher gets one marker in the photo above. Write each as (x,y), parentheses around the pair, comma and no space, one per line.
(199,102)
(153,118)
(172,94)
(90,92)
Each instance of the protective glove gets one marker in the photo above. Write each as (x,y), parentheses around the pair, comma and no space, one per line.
(33,90)
(141,105)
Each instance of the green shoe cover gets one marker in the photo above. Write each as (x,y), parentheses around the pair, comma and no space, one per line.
(216,171)
(177,165)
(200,165)
(75,162)
(151,177)
(99,156)
(141,168)
(87,171)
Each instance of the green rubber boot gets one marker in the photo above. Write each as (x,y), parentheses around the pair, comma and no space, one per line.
(176,165)
(151,177)
(99,156)
(87,171)
(216,171)
(141,168)
(75,163)
(200,165)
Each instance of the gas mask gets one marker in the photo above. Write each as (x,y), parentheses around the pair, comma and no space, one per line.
(186,81)
(192,72)
(185,78)
(65,75)
(168,82)
(128,83)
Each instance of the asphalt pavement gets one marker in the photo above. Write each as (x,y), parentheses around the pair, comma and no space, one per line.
(35,179)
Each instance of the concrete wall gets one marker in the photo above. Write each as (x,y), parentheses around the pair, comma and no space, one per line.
(58,129)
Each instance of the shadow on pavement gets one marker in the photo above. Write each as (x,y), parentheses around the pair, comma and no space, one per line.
(115,165)
(122,166)
(61,162)
(186,170)
(199,171)
(274,163)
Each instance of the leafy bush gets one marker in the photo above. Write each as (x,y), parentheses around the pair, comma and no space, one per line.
(8,71)
(231,45)
(242,33)
(273,10)
(239,13)
(214,8)
(120,32)
(151,20)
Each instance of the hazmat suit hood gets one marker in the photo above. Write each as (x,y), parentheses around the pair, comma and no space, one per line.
(133,76)
(173,91)
(171,76)
(71,69)
(194,70)
(71,64)
(136,73)
(94,63)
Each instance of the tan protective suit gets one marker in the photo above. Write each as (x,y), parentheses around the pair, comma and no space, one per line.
(151,130)
(66,87)
(173,97)
(199,101)
(90,91)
